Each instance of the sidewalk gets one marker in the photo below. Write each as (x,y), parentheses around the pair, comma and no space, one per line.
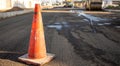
(111,10)
(13,13)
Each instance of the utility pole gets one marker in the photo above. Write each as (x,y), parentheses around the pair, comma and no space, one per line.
(72,3)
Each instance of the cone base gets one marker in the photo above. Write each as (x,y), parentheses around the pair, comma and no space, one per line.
(42,61)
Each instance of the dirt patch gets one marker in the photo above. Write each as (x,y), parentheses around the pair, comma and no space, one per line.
(1,11)
(14,9)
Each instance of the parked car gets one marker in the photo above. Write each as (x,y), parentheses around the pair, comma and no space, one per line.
(68,4)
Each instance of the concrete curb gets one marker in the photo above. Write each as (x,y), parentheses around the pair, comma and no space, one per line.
(13,13)
(111,10)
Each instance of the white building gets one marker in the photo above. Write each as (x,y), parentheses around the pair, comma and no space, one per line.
(22,3)
(7,4)
(106,3)
(109,2)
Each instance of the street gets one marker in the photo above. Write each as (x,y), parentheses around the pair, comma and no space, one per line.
(72,37)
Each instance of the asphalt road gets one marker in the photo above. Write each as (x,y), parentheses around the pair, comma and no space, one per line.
(68,36)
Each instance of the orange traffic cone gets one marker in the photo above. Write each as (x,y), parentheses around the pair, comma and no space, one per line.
(37,49)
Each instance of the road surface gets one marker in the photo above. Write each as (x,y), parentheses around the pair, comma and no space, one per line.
(67,35)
